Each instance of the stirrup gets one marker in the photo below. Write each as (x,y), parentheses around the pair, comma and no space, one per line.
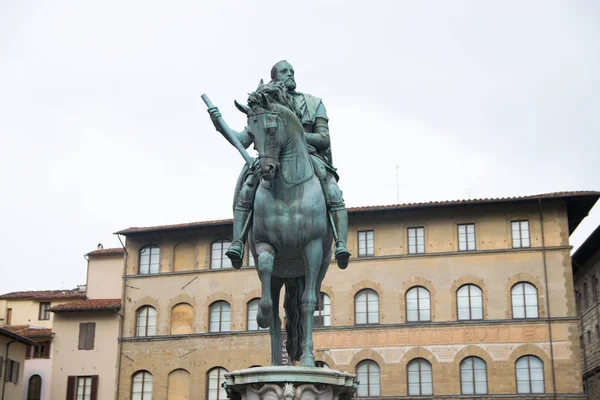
(236,253)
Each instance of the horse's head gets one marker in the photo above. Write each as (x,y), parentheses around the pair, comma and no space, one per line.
(266,126)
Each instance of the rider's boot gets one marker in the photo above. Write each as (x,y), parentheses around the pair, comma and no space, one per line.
(236,250)
(340,220)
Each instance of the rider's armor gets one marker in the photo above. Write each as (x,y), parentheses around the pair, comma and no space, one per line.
(311,112)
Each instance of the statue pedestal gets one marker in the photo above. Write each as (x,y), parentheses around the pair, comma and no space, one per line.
(289,383)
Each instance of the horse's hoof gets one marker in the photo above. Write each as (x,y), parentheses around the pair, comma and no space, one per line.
(308,361)
(263,320)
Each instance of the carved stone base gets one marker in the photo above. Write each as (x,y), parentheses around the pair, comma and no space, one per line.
(289,383)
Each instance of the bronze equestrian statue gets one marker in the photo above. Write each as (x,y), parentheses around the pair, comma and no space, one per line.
(289,204)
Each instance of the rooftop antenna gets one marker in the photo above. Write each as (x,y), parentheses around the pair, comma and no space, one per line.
(398,184)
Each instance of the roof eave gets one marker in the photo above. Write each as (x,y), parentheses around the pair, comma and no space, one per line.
(87,310)
(18,338)
(578,206)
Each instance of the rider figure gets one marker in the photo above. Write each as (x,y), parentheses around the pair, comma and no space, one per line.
(311,112)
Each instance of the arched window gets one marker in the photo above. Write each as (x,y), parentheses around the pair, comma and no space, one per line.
(145,321)
(420,378)
(530,375)
(469,301)
(366,307)
(182,319)
(367,374)
(216,377)
(178,387)
(34,390)
(252,312)
(323,312)
(418,304)
(141,388)
(149,260)
(220,316)
(218,259)
(321,364)
(473,376)
(524,300)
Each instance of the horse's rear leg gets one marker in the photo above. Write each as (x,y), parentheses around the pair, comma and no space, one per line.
(313,254)
(266,259)
(275,328)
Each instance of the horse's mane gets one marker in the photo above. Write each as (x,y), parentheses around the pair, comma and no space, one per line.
(271,93)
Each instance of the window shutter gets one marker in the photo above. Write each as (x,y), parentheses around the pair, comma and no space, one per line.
(94,393)
(28,352)
(1,365)
(15,372)
(82,330)
(71,387)
(8,372)
(47,350)
(91,334)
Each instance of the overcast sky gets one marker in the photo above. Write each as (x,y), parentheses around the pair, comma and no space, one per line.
(102,126)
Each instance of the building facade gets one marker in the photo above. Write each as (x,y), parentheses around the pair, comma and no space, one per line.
(13,350)
(466,298)
(586,272)
(28,314)
(87,331)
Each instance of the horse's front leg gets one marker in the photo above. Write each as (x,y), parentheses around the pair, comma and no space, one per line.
(275,328)
(313,254)
(266,260)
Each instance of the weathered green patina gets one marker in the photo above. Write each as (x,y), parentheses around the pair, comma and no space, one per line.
(289,203)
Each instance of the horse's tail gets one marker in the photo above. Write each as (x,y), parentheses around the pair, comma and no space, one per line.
(294,288)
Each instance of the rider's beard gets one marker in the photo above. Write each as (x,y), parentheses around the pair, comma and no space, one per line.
(290,83)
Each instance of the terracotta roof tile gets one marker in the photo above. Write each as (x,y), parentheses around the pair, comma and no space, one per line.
(89,305)
(44,295)
(115,251)
(15,336)
(29,331)
(379,208)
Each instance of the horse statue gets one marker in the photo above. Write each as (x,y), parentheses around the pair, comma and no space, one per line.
(291,238)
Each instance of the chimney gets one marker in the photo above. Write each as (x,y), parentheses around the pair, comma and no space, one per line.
(100,247)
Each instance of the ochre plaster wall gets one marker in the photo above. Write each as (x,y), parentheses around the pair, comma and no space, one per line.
(69,360)
(26,312)
(16,352)
(495,267)
(105,277)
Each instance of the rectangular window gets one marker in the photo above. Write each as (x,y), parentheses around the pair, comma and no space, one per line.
(12,371)
(520,234)
(416,240)
(84,388)
(42,351)
(44,311)
(589,335)
(1,366)
(466,237)
(595,288)
(87,333)
(366,244)
(8,316)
